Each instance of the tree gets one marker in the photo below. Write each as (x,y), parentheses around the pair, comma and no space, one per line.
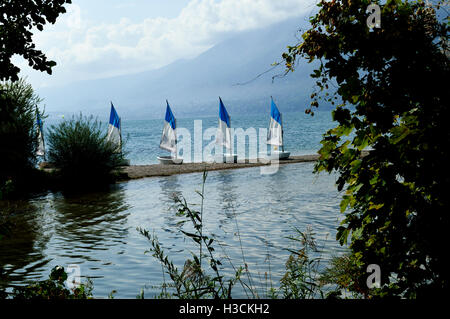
(17,19)
(18,135)
(391,96)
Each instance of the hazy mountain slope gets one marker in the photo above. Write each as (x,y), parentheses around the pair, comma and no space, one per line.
(193,86)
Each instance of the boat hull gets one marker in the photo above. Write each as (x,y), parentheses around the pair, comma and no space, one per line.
(226,158)
(168,160)
(280,155)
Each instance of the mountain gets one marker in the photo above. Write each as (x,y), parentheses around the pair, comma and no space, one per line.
(235,69)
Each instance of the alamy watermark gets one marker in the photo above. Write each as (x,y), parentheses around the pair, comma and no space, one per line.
(374,279)
(73,276)
(374,19)
(250,145)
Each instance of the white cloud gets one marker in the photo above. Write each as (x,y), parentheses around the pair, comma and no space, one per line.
(86,49)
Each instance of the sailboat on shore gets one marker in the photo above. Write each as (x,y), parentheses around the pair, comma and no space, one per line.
(115,133)
(40,151)
(169,139)
(223,136)
(275,135)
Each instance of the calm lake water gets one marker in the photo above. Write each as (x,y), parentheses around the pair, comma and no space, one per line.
(98,232)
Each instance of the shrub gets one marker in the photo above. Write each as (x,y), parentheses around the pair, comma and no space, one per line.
(18,136)
(53,288)
(345,278)
(80,150)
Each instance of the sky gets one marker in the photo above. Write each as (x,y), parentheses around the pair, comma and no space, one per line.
(105,38)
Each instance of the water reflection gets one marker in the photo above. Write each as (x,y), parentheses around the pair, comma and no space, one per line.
(89,222)
(21,251)
(249,214)
(170,189)
(227,192)
(277,192)
(61,229)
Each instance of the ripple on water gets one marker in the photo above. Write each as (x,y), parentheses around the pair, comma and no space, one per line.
(249,214)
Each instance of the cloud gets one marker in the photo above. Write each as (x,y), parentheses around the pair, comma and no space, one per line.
(87,49)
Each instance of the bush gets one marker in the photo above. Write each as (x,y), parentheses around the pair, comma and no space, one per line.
(346,279)
(80,150)
(53,288)
(18,136)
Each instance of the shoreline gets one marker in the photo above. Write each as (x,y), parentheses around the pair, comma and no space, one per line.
(157,170)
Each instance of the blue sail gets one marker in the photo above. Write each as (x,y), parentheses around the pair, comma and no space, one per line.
(274,112)
(114,119)
(223,114)
(169,116)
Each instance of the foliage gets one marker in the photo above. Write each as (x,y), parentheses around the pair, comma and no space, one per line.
(53,288)
(17,18)
(393,93)
(345,278)
(18,135)
(6,189)
(193,282)
(302,269)
(79,148)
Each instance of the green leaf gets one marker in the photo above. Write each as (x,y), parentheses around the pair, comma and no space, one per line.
(344,203)
(399,133)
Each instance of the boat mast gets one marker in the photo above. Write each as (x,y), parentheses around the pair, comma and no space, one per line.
(120,134)
(176,142)
(282,138)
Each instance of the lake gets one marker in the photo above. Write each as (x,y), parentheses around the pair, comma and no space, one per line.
(98,232)
(248,213)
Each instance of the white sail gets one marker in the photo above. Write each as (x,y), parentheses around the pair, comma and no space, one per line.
(40,149)
(223,136)
(168,139)
(275,134)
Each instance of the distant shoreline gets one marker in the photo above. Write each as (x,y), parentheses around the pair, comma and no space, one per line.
(157,170)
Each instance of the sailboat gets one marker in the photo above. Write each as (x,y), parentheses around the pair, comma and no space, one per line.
(40,151)
(115,132)
(223,136)
(169,139)
(275,134)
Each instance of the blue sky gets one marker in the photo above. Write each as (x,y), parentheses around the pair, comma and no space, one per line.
(105,38)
